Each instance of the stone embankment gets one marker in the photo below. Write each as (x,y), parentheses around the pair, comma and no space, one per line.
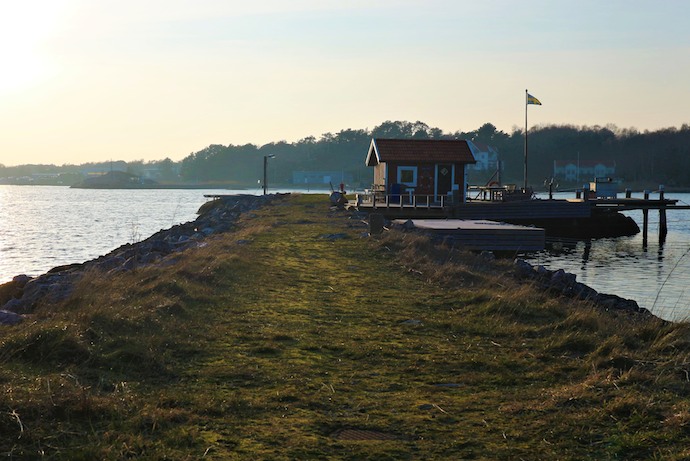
(558,282)
(23,294)
(565,284)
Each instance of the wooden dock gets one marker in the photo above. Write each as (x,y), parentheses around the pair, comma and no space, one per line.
(481,234)
(585,216)
(645,204)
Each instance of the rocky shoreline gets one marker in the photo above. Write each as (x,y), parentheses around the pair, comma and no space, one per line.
(20,297)
(563,283)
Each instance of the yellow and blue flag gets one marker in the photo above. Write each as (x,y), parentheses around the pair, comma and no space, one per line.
(532,100)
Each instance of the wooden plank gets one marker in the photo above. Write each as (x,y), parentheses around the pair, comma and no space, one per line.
(481,234)
(531,209)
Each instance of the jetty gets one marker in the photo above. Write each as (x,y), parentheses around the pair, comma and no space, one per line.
(584,216)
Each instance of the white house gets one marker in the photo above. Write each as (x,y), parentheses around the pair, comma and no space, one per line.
(584,170)
(485,155)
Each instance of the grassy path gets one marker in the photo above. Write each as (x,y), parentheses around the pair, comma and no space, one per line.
(316,345)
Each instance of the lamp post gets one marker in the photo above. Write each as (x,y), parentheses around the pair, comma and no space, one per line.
(266,157)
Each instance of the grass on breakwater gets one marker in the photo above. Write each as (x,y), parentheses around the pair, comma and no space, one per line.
(296,338)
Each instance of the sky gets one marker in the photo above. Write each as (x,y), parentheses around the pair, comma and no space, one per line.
(97,80)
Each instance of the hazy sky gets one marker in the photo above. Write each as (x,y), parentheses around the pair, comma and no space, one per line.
(90,80)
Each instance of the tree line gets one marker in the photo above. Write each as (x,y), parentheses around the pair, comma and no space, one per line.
(655,157)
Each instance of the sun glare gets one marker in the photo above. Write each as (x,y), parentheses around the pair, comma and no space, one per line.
(24,28)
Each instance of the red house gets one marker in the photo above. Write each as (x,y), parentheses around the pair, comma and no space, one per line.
(420,167)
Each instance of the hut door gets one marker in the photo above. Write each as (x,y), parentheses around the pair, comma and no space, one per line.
(444,179)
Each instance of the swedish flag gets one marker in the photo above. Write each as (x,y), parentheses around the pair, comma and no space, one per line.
(532,100)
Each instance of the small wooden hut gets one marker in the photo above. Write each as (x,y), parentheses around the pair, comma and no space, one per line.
(419,167)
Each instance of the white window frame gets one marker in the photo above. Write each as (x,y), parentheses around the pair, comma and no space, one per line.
(414,175)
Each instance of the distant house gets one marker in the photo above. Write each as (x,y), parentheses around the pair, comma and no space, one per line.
(419,166)
(485,155)
(584,170)
(151,173)
(310,178)
(98,169)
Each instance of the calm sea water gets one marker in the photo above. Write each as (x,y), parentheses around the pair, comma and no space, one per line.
(656,275)
(44,227)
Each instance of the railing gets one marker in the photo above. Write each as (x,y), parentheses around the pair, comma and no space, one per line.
(496,193)
(409,200)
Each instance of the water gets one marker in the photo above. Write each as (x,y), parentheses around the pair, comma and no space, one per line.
(45,227)
(42,227)
(656,275)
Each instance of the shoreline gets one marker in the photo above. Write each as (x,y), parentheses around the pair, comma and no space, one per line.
(20,296)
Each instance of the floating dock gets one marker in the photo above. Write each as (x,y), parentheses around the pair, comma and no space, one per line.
(480,235)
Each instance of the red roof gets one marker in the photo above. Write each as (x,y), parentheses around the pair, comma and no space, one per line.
(415,151)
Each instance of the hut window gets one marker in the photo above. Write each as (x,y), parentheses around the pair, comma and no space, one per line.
(407,175)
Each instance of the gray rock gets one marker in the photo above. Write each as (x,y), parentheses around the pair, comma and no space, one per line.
(21,280)
(543,271)
(10,318)
(523,268)
(582,291)
(15,305)
(160,246)
(11,290)
(616,302)
(48,288)
(109,263)
(408,225)
(562,281)
(339,236)
(488,255)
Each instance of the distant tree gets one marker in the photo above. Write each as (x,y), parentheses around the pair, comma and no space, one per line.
(436,133)
(420,130)
(136,167)
(167,170)
(392,130)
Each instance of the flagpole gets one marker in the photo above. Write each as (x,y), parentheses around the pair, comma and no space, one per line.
(525,185)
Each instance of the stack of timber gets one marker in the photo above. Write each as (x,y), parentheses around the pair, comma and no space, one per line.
(480,234)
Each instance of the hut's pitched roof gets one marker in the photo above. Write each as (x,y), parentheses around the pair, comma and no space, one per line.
(414,151)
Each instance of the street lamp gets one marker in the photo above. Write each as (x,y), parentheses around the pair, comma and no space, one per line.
(266,157)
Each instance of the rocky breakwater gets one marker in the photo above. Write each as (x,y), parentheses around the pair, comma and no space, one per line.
(563,283)
(20,297)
